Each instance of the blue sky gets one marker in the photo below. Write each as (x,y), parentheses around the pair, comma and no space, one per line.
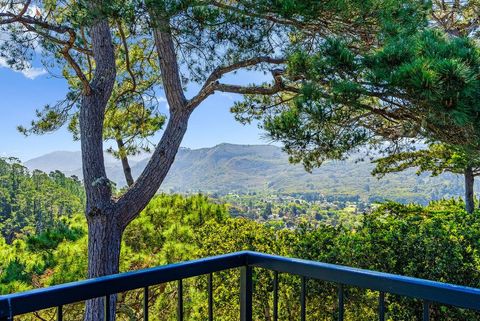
(23,93)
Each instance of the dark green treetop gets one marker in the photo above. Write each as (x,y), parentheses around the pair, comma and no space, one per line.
(417,86)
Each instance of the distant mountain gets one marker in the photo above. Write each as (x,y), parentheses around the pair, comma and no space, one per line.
(241,168)
(68,162)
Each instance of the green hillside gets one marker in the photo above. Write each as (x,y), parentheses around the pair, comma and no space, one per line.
(228,168)
(239,168)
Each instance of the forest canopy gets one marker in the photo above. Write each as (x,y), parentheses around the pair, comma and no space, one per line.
(436,242)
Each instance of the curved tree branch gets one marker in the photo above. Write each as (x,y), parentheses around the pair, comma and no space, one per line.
(277,87)
(211,83)
(30,23)
(168,62)
(127,57)
(139,194)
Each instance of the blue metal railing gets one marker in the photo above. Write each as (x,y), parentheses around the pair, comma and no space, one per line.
(57,296)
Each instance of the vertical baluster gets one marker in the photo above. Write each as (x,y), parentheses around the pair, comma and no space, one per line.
(60,313)
(246,290)
(107,307)
(210,297)
(180,301)
(145,303)
(340,302)
(275,296)
(426,311)
(381,306)
(303,308)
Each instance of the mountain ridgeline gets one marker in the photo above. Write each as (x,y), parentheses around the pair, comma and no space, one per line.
(228,168)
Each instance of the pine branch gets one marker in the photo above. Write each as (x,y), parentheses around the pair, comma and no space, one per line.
(212,84)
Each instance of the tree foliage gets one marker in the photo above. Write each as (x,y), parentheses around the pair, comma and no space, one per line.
(413,83)
(32,203)
(437,159)
(438,242)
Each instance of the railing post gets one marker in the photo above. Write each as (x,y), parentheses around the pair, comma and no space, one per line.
(60,313)
(246,290)
(341,303)
(303,304)
(381,306)
(145,303)
(426,310)
(5,310)
(210,297)
(180,300)
(275,296)
(106,308)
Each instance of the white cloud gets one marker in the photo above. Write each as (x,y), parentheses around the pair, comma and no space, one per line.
(30,72)
(34,72)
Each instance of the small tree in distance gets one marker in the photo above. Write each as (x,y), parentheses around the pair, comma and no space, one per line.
(437,159)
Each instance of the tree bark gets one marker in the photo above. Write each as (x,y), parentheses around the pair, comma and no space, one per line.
(106,218)
(138,196)
(141,192)
(469,181)
(91,118)
(104,240)
(104,233)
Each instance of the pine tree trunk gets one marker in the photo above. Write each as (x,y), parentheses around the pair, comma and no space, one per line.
(469,181)
(104,232)
(104,239)
(107,217)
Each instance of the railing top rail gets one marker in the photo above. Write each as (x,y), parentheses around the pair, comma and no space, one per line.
(449,294)
(33,300)
(38,299)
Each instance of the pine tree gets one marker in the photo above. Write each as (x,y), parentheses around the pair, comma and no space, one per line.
(437,159)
